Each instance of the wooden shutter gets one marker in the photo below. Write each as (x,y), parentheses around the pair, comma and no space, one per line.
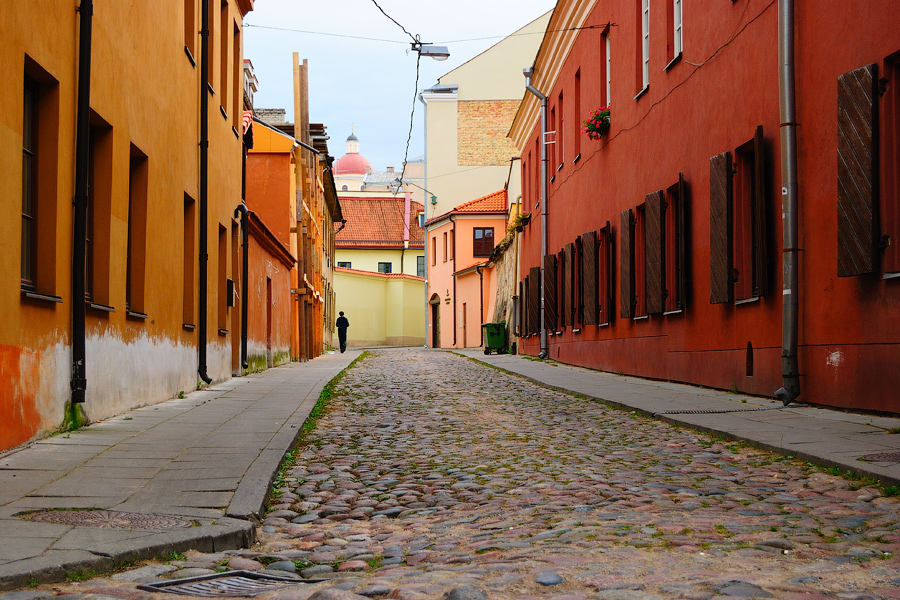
(606,276)
(520,310)
(589,271)
(535,307)
(720,229)
(681,244)
(857,171)
(626,264)
(561,294)
(654,252)
(570,284)
(760,216)
(578,282)
(550,291)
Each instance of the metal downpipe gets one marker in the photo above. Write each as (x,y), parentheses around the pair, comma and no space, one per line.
(204,184)
(544,191)
(245,275)
(790,309)
(82,165)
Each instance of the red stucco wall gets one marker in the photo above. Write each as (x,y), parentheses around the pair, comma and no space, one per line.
(707,103)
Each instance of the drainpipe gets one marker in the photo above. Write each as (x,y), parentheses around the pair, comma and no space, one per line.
(245,275)
(82,165)
(480,299)
(528,73)
(789,206)
(425,214)
(454,280)
(204,181)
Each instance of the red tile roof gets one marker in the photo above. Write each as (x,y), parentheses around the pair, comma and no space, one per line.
(495,202)
(377,223)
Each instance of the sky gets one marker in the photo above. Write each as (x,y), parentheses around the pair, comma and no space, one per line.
(369,85)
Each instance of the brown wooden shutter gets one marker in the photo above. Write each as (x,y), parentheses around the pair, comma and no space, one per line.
(520,310)
(570,284)
(578,269)
(626,264)
(720,229)
(607,274)
(654,252)
(589,276)
(760,212)
(550,291)
(857,171)
(681,244)
(561,294)
(535,277)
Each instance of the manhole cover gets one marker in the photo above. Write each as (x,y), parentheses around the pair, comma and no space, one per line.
(883,457)
(231,583)
(106,519)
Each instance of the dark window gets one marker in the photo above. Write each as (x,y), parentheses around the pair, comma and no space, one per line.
(90,210)
(639,251)
(345,265)
(433,251)
(190,261)
(577,118)
(890,168)
(550,289)
(483,243)
(626,264)
(654,252)
(384,267)
(534,300)
(561,289)
(607,267)
(676,245)
(29,170)
(420,266)
(739,223)
(561,135)
(589,287)
(445,246)
(137,231)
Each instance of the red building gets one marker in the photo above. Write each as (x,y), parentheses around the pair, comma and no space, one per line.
(665,237)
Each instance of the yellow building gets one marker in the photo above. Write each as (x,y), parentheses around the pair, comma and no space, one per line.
(140,323)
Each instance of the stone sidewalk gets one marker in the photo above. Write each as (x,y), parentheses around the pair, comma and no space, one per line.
(193,472)
(868,445)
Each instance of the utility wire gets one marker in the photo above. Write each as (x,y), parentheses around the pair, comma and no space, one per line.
(414,38)
(337,35)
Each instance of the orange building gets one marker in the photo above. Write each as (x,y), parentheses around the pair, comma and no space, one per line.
(116,124)
(461,279)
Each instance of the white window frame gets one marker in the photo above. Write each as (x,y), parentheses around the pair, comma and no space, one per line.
(608,73)
(645,42)
(677,22)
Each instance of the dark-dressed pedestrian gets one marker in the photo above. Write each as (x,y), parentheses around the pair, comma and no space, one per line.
(342,325)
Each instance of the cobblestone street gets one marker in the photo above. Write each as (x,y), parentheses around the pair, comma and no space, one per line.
(431,474)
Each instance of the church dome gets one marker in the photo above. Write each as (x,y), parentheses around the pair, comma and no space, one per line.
(352,163)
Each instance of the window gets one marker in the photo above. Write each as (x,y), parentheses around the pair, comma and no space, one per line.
(738,223)
(224,36)
(560,138)
(433,250)
(483,242)
(639,272)
(605,64)
(551,301)
(97,251)
(553,136)
(212,41)
(643,41)
(420,266)
(40,157)
(345,188)
(445,246)
(29,184)
(626,264)
(190,28)
(890,169)
(384,267)
(453,244)
(344,264)
(237,83)
(190,260)
(223,280)
(578,117)
(674,38)
(675,241)
(138,183)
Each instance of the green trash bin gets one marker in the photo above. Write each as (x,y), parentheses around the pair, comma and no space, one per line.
(493,337)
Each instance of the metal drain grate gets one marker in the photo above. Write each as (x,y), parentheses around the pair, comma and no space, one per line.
(717,411)
(893,457)
(232,583)
(106,519)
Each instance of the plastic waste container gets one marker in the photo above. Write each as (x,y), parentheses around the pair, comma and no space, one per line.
(493,337)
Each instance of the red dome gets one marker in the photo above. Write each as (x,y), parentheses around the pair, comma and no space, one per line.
(352,164)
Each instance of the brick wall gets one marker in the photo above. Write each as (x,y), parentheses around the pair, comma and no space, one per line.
(481,132)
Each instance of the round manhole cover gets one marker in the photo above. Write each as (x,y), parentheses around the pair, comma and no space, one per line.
(106,519)
(883,457)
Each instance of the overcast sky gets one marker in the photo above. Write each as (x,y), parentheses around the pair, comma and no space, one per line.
(369,83)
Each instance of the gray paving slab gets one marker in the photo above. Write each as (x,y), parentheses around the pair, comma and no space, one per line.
(191,457)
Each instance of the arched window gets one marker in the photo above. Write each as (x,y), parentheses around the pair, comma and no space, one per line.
(345,188)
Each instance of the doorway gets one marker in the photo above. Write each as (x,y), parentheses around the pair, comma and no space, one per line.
(435,303)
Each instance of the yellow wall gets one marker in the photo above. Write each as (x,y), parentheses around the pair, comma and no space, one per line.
(367,260)
(383,311)
(144,91)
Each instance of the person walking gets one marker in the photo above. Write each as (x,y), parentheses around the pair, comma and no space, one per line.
(342,325)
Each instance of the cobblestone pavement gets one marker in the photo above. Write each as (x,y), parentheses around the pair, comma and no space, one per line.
(431,476)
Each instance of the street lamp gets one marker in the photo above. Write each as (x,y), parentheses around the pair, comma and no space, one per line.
(430,50)
(398,183)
